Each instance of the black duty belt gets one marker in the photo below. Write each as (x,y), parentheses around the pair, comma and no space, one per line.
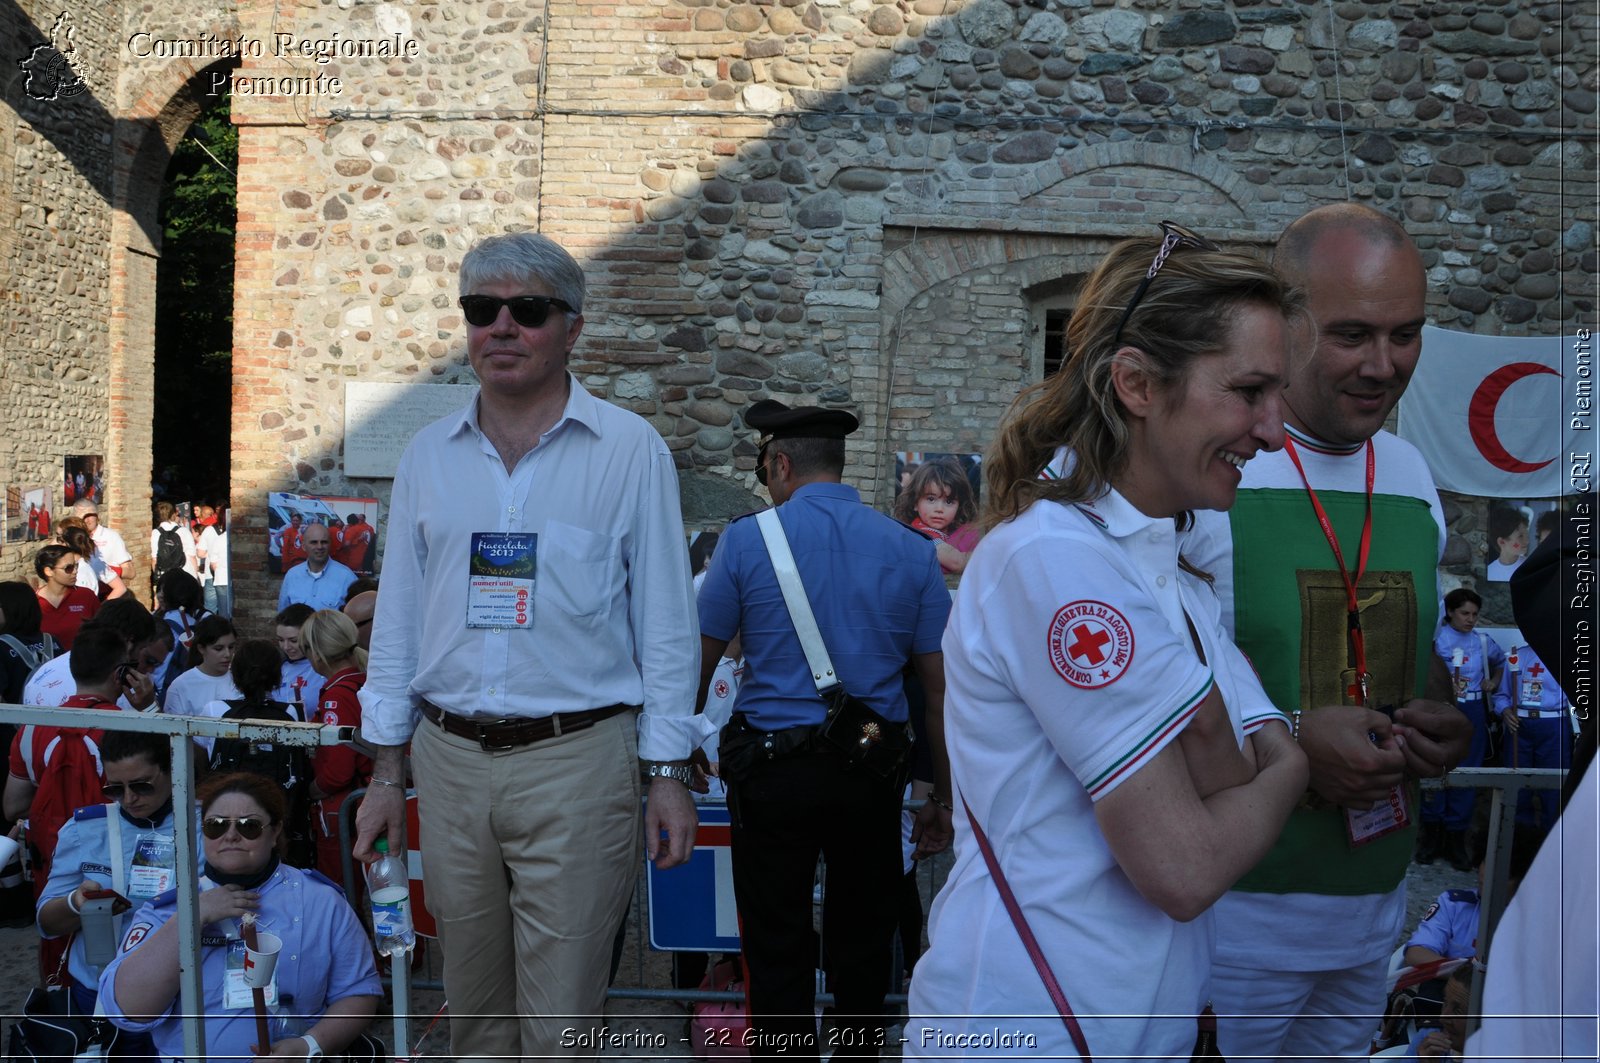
(511,733)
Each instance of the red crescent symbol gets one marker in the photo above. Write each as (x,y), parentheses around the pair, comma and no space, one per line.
(1480,416)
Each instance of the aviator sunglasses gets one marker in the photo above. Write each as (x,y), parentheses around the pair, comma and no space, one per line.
(250,827)
(1173,236)
(112,791)
(529,311)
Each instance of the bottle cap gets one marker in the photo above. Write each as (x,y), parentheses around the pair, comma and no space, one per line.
(381,845)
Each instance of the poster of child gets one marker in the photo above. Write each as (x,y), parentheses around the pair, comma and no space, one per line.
(1515,528)
(938,497)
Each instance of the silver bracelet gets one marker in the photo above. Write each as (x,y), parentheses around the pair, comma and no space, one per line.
(73,908)
(1294,724)
(375,781)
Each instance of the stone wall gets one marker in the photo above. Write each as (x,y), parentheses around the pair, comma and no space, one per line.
(868,203)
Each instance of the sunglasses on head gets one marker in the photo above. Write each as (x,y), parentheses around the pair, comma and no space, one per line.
(113,790)
(1173,236)
(249,827)
(529,311)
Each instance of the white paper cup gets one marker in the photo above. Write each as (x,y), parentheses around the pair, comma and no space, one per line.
(260,961)
(8,849)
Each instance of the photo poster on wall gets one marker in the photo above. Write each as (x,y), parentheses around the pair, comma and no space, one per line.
(702,543)
(352,523)
(27,514)
(936,493)
(85,479)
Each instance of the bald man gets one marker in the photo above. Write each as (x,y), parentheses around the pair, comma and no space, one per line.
(360,609)
(1370,700)
(318,581)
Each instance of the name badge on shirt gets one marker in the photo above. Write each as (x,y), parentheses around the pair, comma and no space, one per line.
(500,580)
(151,873)
(235,994)
(1384,818)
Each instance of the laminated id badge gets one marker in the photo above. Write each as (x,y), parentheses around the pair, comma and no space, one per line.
(500,579)
(1384,818)
(152,871)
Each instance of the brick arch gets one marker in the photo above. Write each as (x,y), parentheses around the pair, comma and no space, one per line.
(920,268)
(145,134)
(1169,168)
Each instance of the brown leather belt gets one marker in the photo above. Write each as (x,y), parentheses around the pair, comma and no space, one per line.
(509,734)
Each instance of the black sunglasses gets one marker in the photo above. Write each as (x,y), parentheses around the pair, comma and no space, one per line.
(1173,236)
(113,790)
(529,311)
(250,827)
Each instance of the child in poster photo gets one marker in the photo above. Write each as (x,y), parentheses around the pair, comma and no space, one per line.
(1508,542)
(938,503)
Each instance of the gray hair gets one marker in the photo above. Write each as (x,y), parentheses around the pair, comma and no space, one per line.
(524,257)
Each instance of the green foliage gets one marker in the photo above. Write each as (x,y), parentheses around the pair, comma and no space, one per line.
(194,311)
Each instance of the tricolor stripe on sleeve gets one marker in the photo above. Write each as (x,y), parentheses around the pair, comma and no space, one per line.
(1147,745)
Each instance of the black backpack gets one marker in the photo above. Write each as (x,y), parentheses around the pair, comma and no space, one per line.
(169,551)
(288,766)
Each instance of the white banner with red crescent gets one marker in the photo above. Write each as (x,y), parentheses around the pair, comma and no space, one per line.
(1487,412)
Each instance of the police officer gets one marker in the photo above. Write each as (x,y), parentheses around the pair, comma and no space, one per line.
(1535,713)
(880,602)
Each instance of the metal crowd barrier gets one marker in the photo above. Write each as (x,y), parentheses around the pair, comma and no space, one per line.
(1505,783)
(181,730)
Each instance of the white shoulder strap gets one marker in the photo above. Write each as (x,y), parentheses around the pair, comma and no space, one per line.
(119,873)
(794,596)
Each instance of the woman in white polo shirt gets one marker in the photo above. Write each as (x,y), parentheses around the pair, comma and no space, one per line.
(1096,714)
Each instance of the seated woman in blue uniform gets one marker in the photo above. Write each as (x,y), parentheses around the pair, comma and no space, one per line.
(325,987)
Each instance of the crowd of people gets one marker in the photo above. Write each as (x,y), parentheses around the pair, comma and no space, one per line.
(1174,718)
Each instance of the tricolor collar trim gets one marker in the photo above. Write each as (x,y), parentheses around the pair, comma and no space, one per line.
(1310,442)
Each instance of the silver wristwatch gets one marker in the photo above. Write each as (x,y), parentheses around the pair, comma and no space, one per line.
(681,772)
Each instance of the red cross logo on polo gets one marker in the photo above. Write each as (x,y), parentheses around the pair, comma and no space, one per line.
(1090,644)
(721,688)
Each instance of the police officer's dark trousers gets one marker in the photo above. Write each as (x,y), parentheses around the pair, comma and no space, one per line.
(785,813)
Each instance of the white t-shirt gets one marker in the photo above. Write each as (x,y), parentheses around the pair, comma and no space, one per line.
(298,676)
(1068,668)
(111,547)
(193,690)
(190,564)
(214,545)
(52,684)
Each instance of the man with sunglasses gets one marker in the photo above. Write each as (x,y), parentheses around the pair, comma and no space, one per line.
(125,846)
(534,640)
(1327,570)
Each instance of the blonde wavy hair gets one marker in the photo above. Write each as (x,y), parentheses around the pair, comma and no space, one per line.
(330,636)
(1186,313)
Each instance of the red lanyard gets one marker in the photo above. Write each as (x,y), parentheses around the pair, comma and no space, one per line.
(1358,646)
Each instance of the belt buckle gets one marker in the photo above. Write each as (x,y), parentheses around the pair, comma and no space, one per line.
(488,747)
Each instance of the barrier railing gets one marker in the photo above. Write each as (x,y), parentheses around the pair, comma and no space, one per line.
(1505,783)
(181,730)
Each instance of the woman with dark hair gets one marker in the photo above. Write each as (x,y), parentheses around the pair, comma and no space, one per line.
(95,574)
(1114,757)
(324,989)
(63,605)
(23,646)
(207,679)
(255,673)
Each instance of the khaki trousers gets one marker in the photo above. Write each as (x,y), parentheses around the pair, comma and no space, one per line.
(531,855)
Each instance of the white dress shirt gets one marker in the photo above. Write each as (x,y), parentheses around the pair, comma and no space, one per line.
(613,610)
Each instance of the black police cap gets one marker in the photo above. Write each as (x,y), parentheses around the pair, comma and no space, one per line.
(774,420)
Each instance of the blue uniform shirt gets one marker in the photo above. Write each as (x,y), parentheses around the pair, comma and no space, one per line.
(326,957)
(1450,925)
(875,588)
(320,590)
(1528,685)
(83,850)
(1474,671)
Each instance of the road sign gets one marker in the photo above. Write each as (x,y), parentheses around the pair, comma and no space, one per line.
(691,906)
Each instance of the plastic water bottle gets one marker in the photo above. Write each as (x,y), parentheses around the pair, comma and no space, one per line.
(389,890)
